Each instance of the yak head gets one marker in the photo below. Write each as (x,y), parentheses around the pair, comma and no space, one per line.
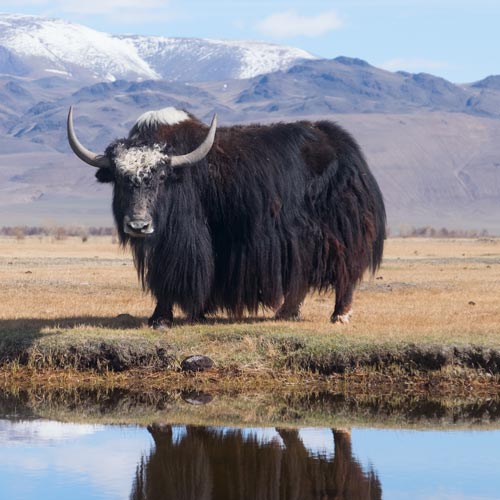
(139,168)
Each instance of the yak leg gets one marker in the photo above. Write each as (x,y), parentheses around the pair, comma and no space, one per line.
(197,314)
(343,304)
(290,309)
(162,317)
(197,318)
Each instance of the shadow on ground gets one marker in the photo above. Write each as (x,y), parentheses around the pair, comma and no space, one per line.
(80,343)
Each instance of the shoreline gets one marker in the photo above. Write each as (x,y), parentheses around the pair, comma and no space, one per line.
(432,369)
(207,403)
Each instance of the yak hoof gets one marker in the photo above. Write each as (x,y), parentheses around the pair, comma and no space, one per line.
(160,324)
(198,318)
(283,316)
(341,318)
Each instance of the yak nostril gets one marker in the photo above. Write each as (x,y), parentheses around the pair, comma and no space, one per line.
(138,225)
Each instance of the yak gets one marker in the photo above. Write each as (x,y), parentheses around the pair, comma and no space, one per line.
(241,217)
(223,463)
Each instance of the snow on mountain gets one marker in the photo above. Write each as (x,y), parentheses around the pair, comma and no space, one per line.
(37,47)
(54,46)
(195,59)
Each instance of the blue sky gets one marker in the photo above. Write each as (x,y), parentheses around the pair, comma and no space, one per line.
(456,39)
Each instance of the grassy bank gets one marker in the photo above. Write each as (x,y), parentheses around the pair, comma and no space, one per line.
(429,318)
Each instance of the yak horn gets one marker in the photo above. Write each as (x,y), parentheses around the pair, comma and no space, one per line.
(98,161)
(200,152)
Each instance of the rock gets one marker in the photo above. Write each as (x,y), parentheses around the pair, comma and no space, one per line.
(124,316)
(197,363)
(125,320)
(197,398)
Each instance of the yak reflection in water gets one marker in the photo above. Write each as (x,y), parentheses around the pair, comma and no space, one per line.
(206,463)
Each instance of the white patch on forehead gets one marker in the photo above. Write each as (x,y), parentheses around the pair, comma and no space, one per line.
(138,161)
(165,116)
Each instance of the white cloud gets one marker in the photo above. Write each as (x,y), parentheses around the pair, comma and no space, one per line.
(41,431)
(412,65)
(290,23)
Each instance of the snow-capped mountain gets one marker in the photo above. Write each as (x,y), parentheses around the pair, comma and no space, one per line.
(39,47)
(47,47)
(195,59)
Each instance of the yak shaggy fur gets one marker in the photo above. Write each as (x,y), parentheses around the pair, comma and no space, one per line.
(271,213)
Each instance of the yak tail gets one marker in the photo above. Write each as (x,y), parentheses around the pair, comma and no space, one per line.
(380,236)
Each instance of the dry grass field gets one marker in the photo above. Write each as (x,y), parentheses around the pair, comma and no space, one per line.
(427,289)
(428,292)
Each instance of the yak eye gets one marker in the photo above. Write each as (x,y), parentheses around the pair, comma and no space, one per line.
(162,176)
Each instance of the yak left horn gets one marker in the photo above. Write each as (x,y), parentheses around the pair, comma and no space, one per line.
(98,161)
(200,152)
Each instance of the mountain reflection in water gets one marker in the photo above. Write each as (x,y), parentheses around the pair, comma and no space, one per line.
(214,463)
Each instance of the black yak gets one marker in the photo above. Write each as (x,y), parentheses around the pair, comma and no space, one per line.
(250,216)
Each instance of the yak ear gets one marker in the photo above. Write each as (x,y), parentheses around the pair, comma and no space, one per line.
(105,175)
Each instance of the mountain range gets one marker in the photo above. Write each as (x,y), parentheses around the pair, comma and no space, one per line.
(433,145)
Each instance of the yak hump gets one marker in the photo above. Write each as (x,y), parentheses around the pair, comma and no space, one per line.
(165,116)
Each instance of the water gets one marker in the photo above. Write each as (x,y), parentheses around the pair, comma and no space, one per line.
(44,459)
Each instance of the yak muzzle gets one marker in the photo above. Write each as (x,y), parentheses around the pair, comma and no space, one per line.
(138,227)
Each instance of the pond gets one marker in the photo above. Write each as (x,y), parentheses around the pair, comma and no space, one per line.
(46,459)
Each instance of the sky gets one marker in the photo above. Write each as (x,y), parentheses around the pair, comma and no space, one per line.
(456,39)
